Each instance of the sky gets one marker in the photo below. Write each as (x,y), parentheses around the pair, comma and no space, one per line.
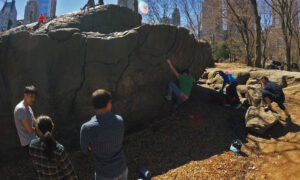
(63,6)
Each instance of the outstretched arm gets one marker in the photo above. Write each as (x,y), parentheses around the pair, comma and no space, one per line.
(172,67)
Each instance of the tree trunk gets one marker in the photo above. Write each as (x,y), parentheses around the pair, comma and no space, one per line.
(258,34)
(264,54)
(288,57)
(248,60)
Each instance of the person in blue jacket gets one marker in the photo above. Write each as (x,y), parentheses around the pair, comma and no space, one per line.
(228,78)
(272,92)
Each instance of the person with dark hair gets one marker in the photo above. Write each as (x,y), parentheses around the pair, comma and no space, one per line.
(89,4)
(228,78)
(182,93)
(42,19)
(24,117)
(48,156)
(100,2)
(103,137)
(272,92)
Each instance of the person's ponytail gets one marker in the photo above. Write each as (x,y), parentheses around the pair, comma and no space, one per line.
(48,143)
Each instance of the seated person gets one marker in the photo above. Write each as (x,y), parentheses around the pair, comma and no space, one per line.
(48,156)
(89,4)
(182,92)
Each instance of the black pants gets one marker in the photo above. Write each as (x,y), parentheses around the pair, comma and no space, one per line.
(231,91)
(279,99)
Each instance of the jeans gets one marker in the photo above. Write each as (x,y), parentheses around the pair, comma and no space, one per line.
(180,96)
(123,176)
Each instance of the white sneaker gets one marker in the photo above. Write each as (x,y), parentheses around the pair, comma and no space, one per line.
(168,98)
(238,106)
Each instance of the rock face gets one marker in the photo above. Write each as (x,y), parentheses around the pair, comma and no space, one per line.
(67,64)
(254,95)
(259,121)
(102,19)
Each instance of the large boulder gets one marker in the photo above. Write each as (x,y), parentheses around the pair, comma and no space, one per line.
(67,64)
(254,95)
(242,75)
(214,78)
(103,19)
(259,121)
(283,78)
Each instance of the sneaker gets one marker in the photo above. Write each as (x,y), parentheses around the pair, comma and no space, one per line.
(168,98)
(267,109)
(238,106)
(227,105)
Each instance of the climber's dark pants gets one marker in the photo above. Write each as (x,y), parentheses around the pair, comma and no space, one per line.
(231,91)
(279,99)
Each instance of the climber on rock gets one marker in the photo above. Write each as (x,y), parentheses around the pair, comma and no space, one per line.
(41,21)
(89,4)
(228,78)
(272,92)
(182,92)
(100,2)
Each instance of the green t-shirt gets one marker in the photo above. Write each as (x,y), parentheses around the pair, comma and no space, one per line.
(186,83)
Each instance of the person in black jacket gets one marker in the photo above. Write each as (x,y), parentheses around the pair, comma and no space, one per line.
(272,92)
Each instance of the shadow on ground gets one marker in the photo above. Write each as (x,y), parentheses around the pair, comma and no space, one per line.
(200,129)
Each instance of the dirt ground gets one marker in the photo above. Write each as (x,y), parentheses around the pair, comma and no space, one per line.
(194,143)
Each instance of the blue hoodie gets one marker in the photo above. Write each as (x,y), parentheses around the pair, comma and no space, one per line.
(227,79)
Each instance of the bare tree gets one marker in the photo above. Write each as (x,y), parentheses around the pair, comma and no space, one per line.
(258,34)
(288,13)
(192,12)
(241,17)
(160,11)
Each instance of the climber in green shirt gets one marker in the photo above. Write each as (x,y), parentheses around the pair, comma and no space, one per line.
(182,92)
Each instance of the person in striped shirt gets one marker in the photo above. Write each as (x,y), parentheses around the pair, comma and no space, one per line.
(48,156)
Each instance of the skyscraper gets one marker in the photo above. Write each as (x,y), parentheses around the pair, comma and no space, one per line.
(47,7)
(212,22)
(8,16)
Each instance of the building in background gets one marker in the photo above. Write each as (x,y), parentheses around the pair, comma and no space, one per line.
(34,8)
(174,20)
(212,21)
(8,16)
(53,9)
(176,17)
(31,12)
(276,41)
(47,7)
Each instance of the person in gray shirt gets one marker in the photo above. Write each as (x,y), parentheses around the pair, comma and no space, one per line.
(103,136)
(24,117)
